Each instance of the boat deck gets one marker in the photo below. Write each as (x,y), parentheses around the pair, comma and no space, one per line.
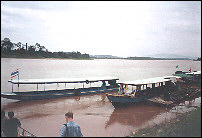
(175,98)
(36,95)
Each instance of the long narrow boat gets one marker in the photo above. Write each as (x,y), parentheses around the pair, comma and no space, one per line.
(140,90)
(189,77)
(108,85)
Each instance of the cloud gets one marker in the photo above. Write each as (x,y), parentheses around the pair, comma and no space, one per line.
(118,28)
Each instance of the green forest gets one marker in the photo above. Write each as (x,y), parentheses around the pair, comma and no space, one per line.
(19,50)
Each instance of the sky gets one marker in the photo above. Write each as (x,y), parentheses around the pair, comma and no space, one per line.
(118,28)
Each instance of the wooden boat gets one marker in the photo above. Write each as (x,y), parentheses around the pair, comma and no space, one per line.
(198,59)
(140,91)
(189,77)
(47,94)
(187,74)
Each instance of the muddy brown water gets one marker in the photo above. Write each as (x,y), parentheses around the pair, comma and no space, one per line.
(94,113)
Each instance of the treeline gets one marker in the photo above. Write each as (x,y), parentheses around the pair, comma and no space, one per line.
(19,50)
(151,58)
(42,54)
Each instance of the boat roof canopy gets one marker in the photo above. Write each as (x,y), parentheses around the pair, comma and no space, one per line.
(194,73)
(148,81)
(61,80)
(183,75)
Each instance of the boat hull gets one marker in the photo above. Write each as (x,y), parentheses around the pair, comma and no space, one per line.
(37,95)
(124,100)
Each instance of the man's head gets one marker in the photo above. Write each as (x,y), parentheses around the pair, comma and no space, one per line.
(11,114)
(69,116)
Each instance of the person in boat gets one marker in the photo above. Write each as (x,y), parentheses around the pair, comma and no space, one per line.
(77,92)
(113,83)
(138,92)
(3,120)
(104,85)
(132,93)
(11,125)
(121,92)
(70,129)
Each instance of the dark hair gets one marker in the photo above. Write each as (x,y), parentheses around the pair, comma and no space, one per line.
(11,114)
(2,113)
(69,115)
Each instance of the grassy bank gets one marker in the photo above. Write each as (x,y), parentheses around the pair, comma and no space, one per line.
(187,125)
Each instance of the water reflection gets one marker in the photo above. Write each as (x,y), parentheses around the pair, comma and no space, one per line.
(45,107)
(135,115)
(141,114)
(96,111)
(71,100)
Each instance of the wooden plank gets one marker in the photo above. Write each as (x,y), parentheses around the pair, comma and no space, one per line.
(159,101)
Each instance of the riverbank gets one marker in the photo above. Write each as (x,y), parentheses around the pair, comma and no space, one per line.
(186,125)
(42,54)
(48,58)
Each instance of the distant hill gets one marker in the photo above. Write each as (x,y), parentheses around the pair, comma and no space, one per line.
(104,56)
(152,58)
(164,55)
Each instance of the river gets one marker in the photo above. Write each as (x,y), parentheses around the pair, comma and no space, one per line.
(94,113)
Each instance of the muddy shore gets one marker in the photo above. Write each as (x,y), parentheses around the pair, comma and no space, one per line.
(186,125)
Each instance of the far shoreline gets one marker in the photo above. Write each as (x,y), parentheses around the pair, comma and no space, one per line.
(47,58)
(89,58)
